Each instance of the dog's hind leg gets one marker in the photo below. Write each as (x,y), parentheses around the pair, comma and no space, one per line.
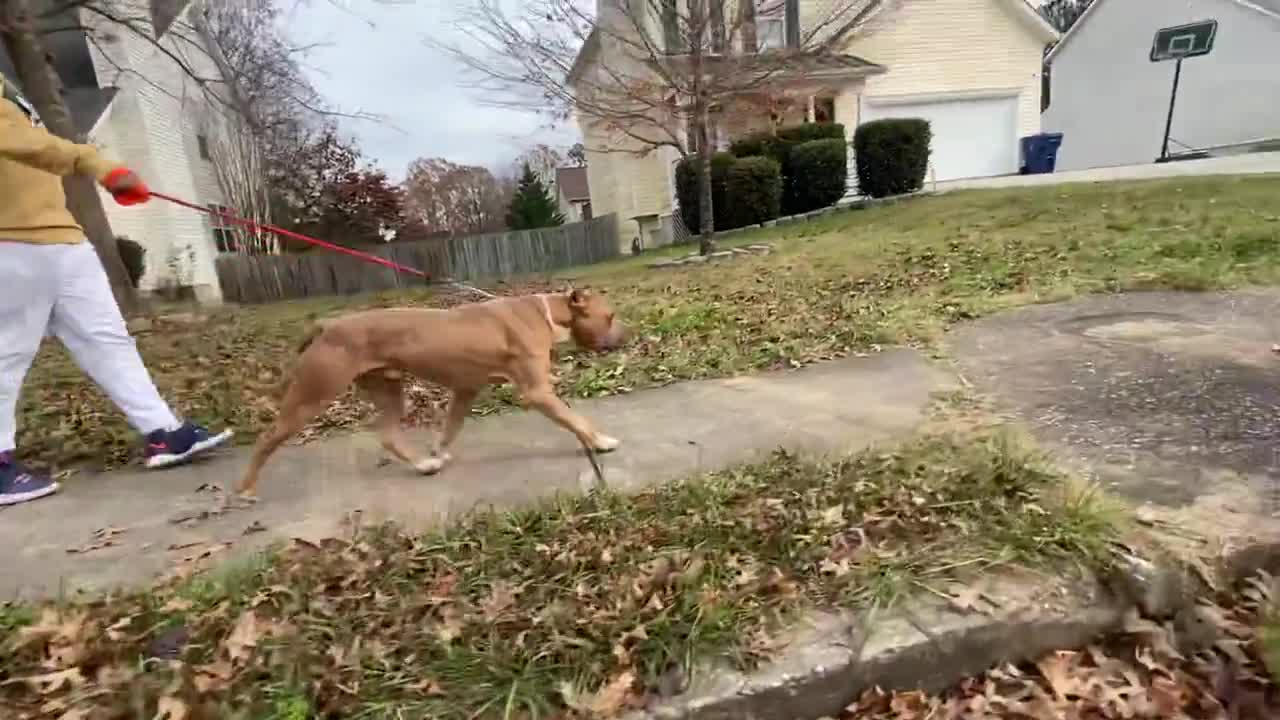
(319,378)
(459,408)
(387,392)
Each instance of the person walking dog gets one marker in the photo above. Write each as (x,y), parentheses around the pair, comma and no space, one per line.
(52,282)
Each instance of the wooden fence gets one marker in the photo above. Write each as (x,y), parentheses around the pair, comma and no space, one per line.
(268,278)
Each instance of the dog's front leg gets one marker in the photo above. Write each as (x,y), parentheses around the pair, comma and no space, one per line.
(545,400)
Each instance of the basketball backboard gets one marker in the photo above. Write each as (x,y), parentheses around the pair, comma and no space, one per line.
(1184,41)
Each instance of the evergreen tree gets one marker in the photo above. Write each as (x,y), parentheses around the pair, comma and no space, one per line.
(532,205)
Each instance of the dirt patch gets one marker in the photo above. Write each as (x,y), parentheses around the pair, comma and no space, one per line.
(1171,397)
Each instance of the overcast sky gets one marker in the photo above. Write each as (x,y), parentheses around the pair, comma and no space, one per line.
(377,61)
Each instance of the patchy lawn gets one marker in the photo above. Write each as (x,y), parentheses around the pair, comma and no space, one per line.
(898,274)
(589,603)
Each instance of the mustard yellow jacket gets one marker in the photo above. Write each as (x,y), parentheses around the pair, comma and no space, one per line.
(33,161)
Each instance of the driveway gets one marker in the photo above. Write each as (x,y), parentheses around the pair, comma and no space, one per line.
(1171,399)
(1248,164)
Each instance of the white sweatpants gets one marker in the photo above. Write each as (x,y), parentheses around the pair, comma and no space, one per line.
(63,290)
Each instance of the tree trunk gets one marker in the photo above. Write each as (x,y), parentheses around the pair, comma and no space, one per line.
(42,87)
(706,209)
(698,21)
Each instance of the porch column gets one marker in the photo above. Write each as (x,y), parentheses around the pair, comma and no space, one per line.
(809,112)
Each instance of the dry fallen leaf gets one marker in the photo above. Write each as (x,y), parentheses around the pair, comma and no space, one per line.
(605,702)
(501,597)
(428,687)
(52,682)
(243,638)
(451,624)
(1058,670)
(177,604)
(171,708)
(968,599)
(213,677)
(102,538)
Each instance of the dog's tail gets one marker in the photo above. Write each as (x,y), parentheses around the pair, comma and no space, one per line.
(311,336)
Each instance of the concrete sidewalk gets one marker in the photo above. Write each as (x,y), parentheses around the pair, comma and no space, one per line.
(154,520)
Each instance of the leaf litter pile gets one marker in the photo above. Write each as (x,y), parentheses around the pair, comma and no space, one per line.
(1214,662)
(845,284)
(587,606)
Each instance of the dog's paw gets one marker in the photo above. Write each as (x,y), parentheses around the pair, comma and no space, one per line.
(605,443)
(241,500)
(429,466)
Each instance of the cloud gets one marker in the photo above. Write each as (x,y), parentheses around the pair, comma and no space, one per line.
(376,60)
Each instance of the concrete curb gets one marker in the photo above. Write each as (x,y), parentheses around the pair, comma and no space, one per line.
(832,658)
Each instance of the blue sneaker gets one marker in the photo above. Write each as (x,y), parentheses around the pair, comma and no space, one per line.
(174,447)
(19,484)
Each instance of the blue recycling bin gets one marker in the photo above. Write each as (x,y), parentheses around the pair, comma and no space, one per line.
(1040,153)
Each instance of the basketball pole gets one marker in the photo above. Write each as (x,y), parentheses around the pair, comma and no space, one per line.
(1173,99)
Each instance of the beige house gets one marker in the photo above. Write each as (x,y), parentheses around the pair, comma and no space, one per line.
(573,194)
(970,67)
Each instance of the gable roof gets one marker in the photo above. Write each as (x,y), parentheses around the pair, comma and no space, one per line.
(1036,22)
(1044,29)
(86,103)
(572,183)
(1270,8)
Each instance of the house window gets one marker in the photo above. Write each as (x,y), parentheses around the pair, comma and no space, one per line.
(224,233)
(824,110)
(202,143)
(671,28)
(771,24)
(716,134)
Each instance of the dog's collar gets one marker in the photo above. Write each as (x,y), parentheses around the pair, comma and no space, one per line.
(559,333)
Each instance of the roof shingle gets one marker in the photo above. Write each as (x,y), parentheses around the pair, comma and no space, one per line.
(572,182)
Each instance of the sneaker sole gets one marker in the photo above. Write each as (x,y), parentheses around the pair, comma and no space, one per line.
(163,461)
(18,498)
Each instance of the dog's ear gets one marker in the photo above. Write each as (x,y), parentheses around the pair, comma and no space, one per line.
(578,298)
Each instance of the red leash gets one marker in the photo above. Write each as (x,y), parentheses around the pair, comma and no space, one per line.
(259,227)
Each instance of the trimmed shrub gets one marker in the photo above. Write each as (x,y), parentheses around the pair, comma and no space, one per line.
(134,257)
(754,186)
(892,155)
(819,173)
(687,190)
(779,145)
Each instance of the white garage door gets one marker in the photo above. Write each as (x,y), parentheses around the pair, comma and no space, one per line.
(971,138)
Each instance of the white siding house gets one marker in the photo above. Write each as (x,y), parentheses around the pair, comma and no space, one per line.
(137,103)
(156,124)
(1111,102)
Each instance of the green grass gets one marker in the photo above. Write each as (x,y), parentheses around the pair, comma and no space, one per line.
(897,274)
(518,614)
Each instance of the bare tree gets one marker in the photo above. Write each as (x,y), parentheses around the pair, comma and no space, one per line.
(450,199)
(638,75)
(543,160)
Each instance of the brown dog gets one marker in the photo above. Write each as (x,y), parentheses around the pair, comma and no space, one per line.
(464,349)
